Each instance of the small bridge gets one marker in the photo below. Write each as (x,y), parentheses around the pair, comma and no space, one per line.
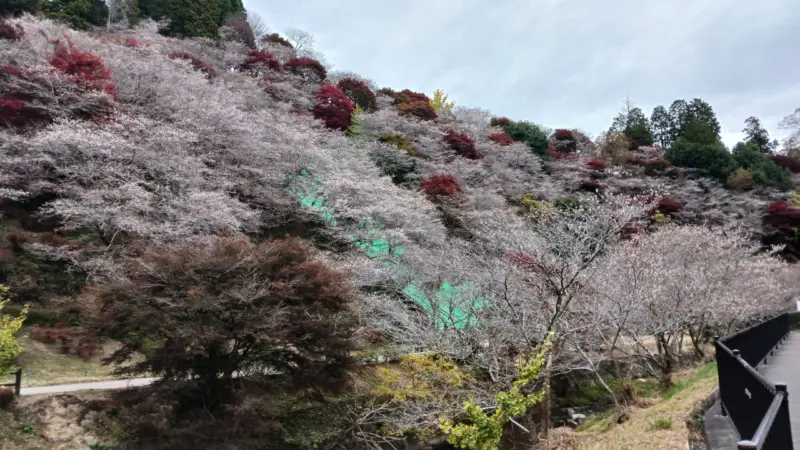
(759,384)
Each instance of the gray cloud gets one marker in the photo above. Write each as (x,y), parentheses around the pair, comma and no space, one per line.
(567,63)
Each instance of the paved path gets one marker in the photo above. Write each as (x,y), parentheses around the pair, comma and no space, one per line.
(784,367)
(95,385)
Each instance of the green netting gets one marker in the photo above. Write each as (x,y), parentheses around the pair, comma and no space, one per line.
(444,308)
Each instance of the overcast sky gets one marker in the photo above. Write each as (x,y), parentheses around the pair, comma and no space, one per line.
(566,63)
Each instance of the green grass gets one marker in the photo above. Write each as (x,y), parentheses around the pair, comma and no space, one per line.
(660,424)
(706,371)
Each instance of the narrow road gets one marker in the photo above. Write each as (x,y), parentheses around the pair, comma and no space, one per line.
(95,385)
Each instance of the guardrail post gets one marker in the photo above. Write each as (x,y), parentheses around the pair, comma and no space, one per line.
(18,381)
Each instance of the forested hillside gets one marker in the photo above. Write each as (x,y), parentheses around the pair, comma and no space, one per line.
(306,260)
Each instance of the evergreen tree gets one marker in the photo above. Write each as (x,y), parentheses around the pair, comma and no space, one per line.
(750,157)
(702,110)
(678,114)
(756,134)
(632,122)
(662,126)
(19,7)
(189,18)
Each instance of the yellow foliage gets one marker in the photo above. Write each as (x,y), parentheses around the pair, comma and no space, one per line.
(440,103)
(418,377)
(530,203)
(794,199)
(9,326)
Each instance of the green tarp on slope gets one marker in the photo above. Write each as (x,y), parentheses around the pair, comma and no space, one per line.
(308,190)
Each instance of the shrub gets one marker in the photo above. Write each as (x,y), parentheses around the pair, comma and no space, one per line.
(786,162)
(197,63)
(596,164)
(590,185)
(309,68)
(9,31)
(782,216)
(567,203)
(414,96)
(358,92)
(740,180)
(530,134)
(501,122)
(552,153)
(420,109)
(564,141)
(133,43)
(83,68)
(637,160)
(333,108)
(52,239)
(7,397)
(501,138)
(711,159)
(530,202)
(401,142)
(794,199)
(656,165)
(668,206)
(562,134)
(439,186)
(462,143)
(276,38)
(258,62)
(17,239)
(659,218)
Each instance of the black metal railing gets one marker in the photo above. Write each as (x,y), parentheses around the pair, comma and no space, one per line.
(17,384)
(758,409)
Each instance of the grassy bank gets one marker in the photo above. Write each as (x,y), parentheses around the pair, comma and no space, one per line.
(659,426)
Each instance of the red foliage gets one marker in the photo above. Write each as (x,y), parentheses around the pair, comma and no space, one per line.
(334,108)
(668,206)
(555,154)
(501,138)
(596,164)
(785,161)
(782,216)
(439,186)
(499,121)
(7,397)
(462,143)
(17,239)
(11,32)
(414,96)
(629,230)
(69,340)
(590,185)
(562,134)
(83,68)
(637,160)
(197,63)
(52,239)
(358,92)
(420,109)
(16,110)
(131,42)
(258,61)
(307,67)
(276,38)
